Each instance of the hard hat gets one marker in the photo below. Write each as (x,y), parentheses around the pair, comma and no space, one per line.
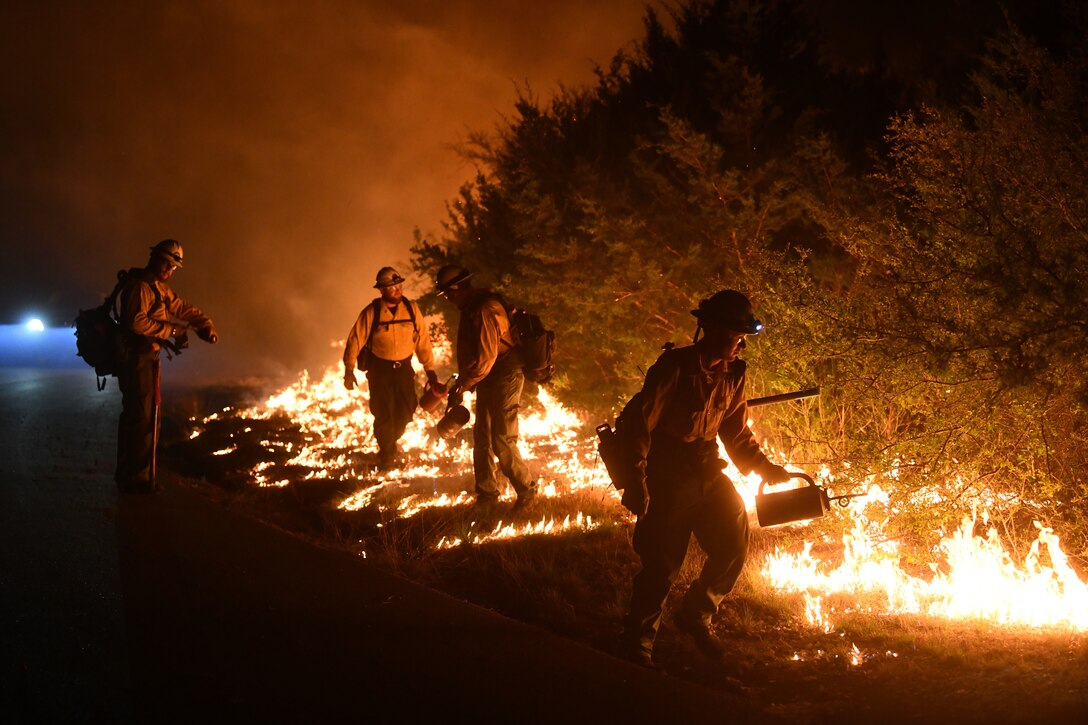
(387,277)
(450,276)
(730,309)
(170,250)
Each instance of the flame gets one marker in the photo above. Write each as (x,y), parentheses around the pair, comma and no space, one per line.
(510,531)
(337,434)
(974,577)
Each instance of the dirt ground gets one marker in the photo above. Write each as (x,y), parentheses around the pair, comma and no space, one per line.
(891,670)
(175,608)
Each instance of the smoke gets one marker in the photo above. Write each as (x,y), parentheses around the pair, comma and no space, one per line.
(291,147)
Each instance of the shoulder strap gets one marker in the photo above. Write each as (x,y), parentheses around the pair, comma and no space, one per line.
(125,280)
(122,277)
(484,297)
(509,311)
(377,313)
(502,301)
(377,305)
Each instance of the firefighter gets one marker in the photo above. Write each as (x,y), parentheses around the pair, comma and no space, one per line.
(386,334)
(489,364)
(691,396)
(152,316)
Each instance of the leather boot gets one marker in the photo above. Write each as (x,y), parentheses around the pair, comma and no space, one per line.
(698,628)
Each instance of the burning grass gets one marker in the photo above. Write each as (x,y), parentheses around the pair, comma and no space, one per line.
(824,613)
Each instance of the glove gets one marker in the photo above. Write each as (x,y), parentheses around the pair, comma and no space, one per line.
(432,378)
(775,474)
(349,379)
(208,334)
(181,339)
(456,396)
(636,498)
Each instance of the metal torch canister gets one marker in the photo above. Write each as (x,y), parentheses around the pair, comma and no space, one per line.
(455,418)
(796,504)
(433,396)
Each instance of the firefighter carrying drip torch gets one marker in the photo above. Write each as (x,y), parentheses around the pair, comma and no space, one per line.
(692,396)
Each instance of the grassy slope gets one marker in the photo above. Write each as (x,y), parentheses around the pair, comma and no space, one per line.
(576,585)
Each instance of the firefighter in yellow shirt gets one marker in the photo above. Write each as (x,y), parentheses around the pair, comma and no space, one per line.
(385,336)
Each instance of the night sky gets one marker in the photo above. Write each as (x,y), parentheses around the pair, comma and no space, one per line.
(291,147)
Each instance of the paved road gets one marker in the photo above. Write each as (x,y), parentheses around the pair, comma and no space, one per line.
(171,608)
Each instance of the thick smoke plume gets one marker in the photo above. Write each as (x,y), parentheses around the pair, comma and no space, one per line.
(291,147)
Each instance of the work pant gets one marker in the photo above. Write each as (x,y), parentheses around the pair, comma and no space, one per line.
(495,432)
(393,402)
(681,505)
(138,378)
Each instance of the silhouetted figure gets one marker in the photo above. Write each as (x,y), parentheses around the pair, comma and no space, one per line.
(151,317)
(387,333)
(489,364)
(691,396)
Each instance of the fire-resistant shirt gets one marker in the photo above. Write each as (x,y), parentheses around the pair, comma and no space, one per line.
(685,402)
(483,335)
(395,338)
(148,307)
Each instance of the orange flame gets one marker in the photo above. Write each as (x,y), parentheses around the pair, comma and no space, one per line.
(510,531)
(975,578)
(978,579)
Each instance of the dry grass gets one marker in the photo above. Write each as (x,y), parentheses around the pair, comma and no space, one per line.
(895,668)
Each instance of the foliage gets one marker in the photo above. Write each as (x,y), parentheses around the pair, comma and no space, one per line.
(687,169)
(978,292)
(938,302)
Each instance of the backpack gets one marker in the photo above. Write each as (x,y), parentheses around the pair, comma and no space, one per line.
(363,361)
(537,344)
(100,341)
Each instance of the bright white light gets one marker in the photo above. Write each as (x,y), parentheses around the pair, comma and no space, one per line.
(35,325)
